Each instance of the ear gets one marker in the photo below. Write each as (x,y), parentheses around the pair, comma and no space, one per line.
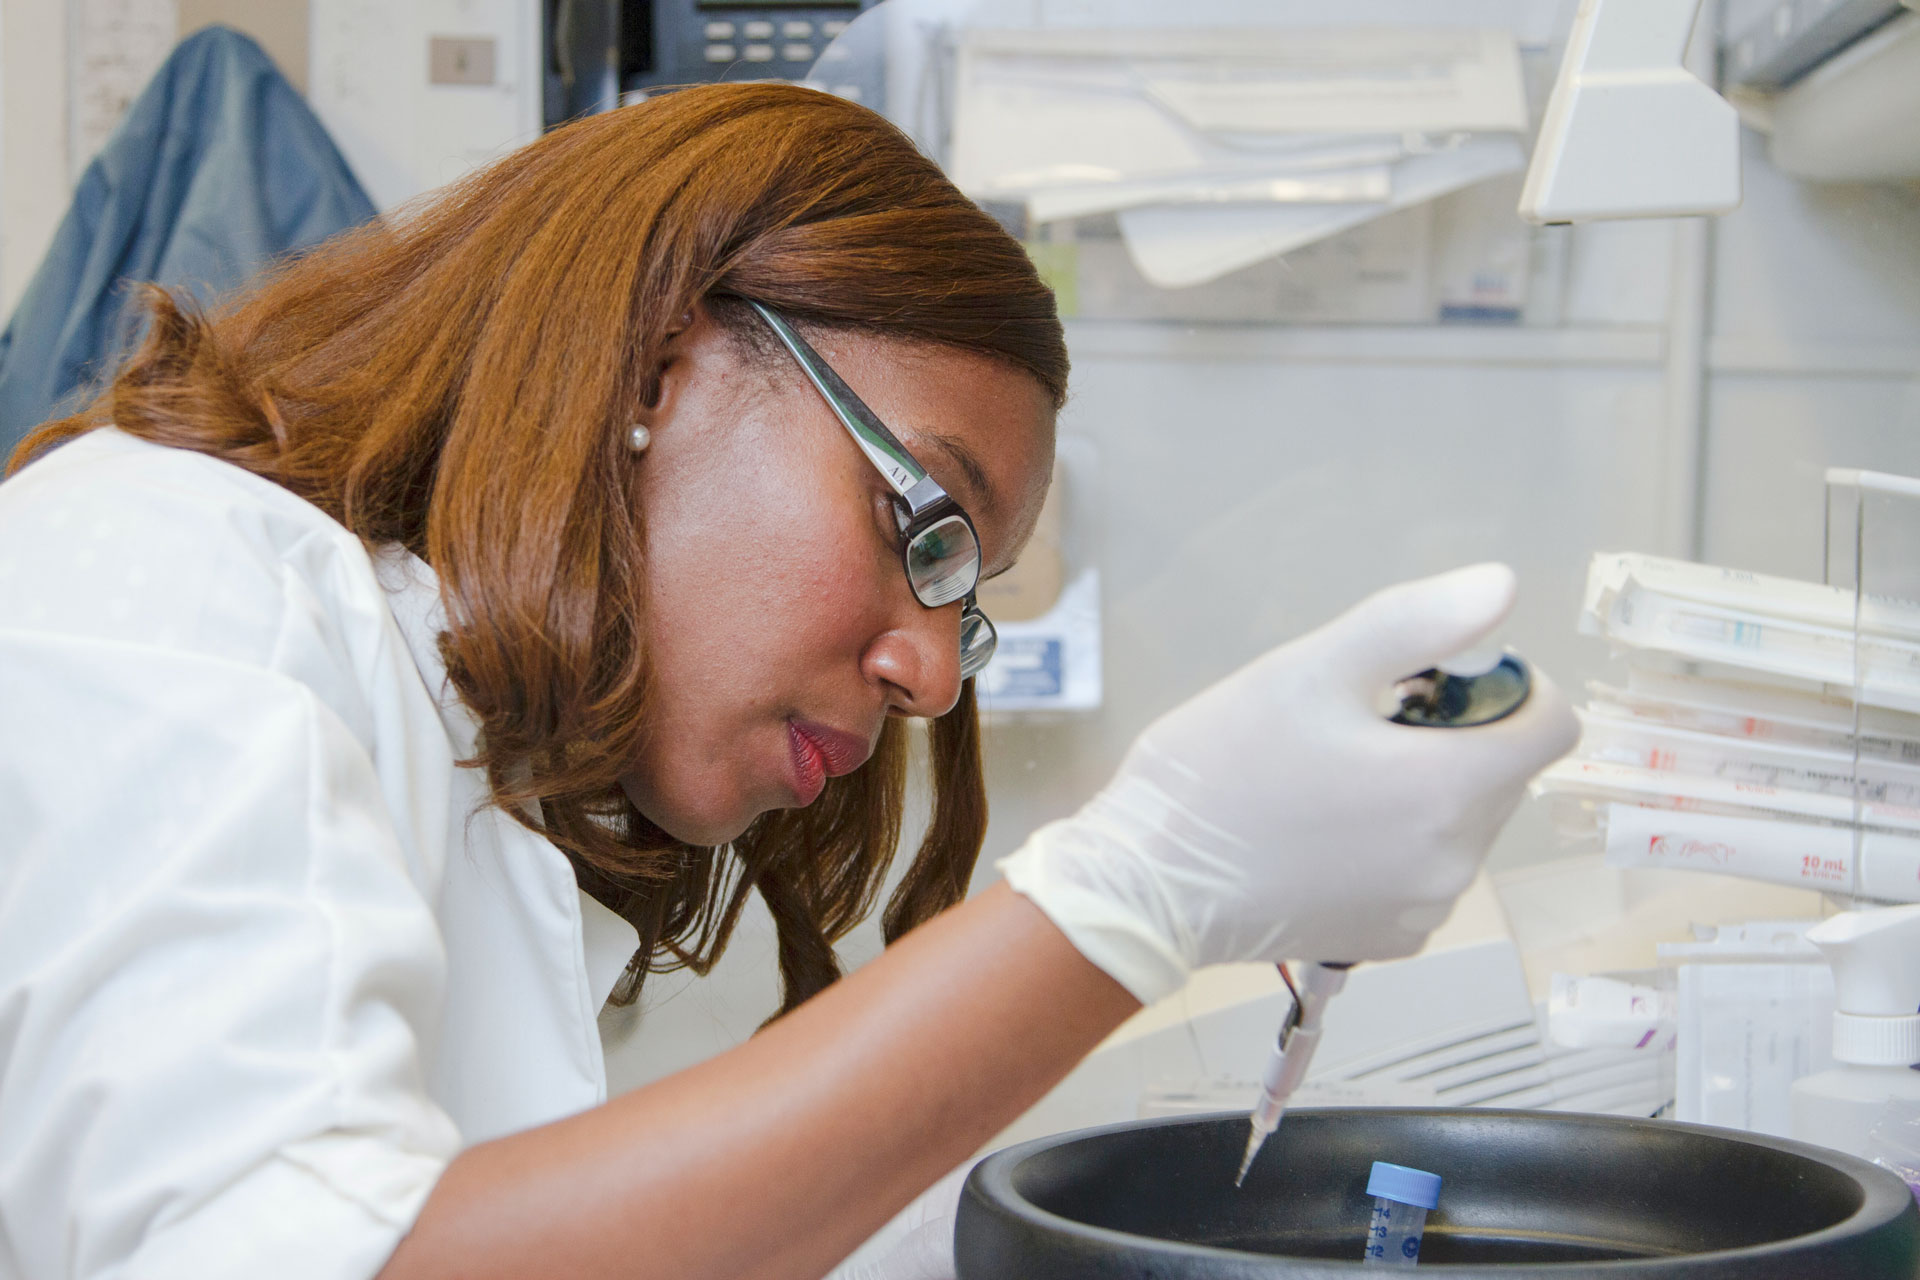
(653,394)
(657,392)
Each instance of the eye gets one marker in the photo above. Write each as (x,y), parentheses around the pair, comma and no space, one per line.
(893,518)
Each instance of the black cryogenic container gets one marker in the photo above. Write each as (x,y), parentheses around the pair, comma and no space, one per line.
(1523,1193)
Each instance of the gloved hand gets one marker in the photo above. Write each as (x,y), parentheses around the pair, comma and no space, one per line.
(1278,815)
(917,1244)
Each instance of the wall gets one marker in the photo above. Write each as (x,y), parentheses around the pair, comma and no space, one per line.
(401,134)
(279,25)
(1815,359)
(47,63)
(34,185)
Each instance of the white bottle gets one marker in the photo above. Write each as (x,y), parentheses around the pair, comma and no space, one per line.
(1875,956)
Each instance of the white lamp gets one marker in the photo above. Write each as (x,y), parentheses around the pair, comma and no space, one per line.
(1629,132)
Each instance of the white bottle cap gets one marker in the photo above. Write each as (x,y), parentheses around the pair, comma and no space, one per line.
(1869,1041)
(1875,954)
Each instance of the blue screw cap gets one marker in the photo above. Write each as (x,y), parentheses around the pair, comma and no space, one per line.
(1407,1186)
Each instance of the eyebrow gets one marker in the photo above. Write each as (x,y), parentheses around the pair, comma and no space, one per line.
(875,438)
(969,465)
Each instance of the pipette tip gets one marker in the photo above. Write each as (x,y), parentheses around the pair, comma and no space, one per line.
(1246,1161)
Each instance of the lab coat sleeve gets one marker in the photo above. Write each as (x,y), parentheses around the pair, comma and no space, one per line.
(219,966)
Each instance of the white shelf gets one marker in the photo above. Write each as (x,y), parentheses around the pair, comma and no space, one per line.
(1813,357)
(1365,344)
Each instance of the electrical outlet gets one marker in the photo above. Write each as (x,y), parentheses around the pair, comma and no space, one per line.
(460,60)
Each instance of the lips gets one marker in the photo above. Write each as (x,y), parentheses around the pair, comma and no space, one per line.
(819,753)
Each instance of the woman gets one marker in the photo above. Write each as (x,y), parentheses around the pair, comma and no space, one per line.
(429,644)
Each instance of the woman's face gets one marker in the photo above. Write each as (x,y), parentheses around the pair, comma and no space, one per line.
(780,629)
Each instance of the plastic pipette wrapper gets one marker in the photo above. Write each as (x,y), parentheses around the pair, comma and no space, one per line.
(1749,709)
(1893,1142)
(1616,736)
(1803,631)
(1877,865)
(1672,789)
(1674,835)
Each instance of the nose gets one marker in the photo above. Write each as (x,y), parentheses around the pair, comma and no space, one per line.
(917,659)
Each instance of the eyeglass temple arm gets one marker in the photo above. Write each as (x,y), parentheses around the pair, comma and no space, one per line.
(881,446)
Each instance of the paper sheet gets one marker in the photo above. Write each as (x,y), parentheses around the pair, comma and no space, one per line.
(1047,108)
(1372,183)
(1384,79)
(1177,246)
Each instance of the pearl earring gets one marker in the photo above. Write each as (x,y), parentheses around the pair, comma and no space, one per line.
(639,438)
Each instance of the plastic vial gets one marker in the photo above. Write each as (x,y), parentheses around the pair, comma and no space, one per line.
(1401,1198)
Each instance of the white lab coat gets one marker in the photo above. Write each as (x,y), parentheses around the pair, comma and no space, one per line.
(267,960)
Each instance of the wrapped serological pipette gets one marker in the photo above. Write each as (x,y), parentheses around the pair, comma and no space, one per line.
(1809,632)
(1751,765)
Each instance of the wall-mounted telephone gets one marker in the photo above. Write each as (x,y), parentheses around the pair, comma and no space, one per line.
(598,53)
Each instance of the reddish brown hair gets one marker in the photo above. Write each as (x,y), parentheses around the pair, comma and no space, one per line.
(460,381)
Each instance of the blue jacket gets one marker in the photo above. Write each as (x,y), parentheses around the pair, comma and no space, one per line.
(218,168)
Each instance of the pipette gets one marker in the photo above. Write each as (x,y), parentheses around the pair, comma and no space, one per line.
(1477,687)
(1292,1053)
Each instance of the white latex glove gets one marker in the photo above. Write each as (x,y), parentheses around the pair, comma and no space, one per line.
(1278,815)
(917,1244)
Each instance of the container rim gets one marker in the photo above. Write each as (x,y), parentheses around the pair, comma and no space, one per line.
(1883,1195)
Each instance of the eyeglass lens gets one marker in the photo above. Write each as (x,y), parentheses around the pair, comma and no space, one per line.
(977,642)
(943,562)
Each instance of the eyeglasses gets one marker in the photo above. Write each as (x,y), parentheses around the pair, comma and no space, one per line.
(939,549)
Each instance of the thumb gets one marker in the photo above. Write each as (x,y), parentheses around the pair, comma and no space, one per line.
(1407,628)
